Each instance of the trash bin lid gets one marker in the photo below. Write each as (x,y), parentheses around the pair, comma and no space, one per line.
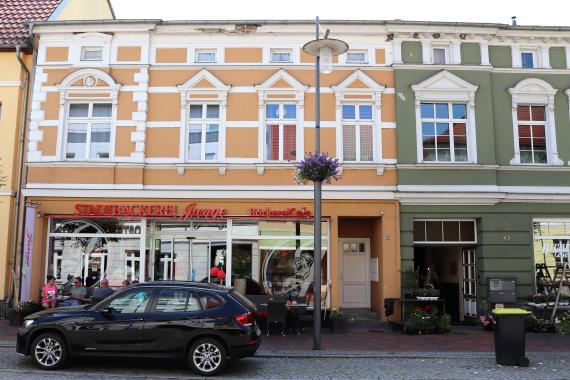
(510,311)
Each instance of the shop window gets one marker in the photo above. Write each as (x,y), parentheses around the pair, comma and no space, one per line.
(551,252)
(281,132)
(444,231)
(204,132)
(357,133)
(88,131)
(444,132)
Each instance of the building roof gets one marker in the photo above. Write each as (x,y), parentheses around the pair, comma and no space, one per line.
(14,14)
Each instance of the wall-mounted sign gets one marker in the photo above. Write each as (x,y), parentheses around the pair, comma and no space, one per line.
(288,212)
(192,211)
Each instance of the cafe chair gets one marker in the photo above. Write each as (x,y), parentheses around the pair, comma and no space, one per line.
(276,313)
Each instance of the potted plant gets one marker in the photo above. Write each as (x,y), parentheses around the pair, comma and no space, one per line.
(419,322)
(562,323)
(338,321)
(317,168)
(21,311)
(443,324)
(427,291)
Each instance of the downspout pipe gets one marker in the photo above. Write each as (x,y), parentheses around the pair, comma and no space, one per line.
(19,220)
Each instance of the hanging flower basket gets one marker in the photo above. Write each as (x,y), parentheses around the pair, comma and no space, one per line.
(317,168)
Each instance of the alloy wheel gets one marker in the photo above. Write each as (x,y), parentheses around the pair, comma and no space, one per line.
(48,352)
(207,357)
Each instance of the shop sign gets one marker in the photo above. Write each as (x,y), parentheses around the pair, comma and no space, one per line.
(29,229)
(288,212)
(158,211)
(560,251)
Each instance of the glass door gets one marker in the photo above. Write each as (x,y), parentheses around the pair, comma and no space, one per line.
(469,283)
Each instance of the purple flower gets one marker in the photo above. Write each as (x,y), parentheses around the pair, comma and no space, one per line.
(318,167)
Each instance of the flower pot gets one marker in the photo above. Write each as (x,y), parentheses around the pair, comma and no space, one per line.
(16,319)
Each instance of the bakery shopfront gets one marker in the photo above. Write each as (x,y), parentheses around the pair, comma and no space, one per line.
(258,246)
(266,249)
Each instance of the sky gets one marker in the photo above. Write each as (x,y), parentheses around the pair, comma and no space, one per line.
(528,12)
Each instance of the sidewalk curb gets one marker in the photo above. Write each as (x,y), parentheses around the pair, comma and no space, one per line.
(401,355)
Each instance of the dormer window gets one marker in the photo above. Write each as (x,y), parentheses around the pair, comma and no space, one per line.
(281,55)
(205,55)
(440,55)
(92,53)
(356,56)
(528,59)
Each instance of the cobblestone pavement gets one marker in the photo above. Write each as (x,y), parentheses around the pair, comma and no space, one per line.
(335,366)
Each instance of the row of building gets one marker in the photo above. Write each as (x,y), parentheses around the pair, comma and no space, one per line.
(157,150)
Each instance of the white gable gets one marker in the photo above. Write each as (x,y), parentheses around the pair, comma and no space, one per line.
(204,75)
(281,75)
(356,76)
(444,86)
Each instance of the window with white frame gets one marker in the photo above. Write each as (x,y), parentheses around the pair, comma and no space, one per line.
(91,53)
(281,55)
(88,131)
(281,132)
(444,132)
(528,59)
(440,55)
(532,136)
(205,55)
(356,56)
(203,132)
(357,133)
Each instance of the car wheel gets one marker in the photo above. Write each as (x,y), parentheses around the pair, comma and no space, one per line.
(207,357)
(49,351)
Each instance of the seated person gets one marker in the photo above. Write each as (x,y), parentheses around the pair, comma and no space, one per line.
(102,292)
(126,283)
(77,294)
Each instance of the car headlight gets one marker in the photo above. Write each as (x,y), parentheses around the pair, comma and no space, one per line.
(28,322)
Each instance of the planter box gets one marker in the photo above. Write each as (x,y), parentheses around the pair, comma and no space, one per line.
(338,325)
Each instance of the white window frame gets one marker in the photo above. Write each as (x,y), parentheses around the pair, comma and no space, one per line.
(280,51)
(357,122)
(357,51)
(536,92)
(199,51)
(204,122)
(446,242)
(85,49)
(452,51)
(281,121)
(450,121)
(445,87)
(89,120)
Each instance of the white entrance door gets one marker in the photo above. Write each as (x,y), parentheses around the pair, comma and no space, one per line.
(469,283)
(355,273)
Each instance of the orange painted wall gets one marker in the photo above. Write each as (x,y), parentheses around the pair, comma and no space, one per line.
(328,140)
(51,106)
(128,53)
(244,142)
(328,107)
(242,107)
(57,54)
(123,144)
(126,106)
(164,107)
(162,142)
(171,55)
(48,145)
(243,55)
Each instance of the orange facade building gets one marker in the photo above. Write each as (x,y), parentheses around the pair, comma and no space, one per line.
(158,150)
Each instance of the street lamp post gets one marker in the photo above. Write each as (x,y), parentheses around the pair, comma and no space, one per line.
(323,49)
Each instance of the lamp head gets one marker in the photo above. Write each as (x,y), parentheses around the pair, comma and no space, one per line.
(325,49)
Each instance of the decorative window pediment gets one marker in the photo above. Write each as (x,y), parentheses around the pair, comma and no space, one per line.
(533,90)
(205,83)
(282,82)
(357,82)
(446,87)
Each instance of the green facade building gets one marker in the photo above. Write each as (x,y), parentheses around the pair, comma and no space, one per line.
(483,134)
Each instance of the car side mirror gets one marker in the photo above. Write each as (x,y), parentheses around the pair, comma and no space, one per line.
(108,312)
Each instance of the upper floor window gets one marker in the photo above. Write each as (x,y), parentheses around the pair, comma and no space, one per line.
(440,55)
(281,55)
(357,133)
(444,132)
(356,56)
(528,59)
(204,132)
(91,53)
(532,137)
(281,132)
(205,55)
(88,131)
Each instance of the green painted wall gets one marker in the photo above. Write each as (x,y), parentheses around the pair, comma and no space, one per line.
(411,52)
(500,56)
(504,247)
(557,58)
(470,53)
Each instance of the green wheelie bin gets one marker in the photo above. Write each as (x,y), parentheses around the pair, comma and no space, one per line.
(510,332)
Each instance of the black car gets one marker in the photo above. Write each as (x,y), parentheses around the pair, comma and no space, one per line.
(204,323)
